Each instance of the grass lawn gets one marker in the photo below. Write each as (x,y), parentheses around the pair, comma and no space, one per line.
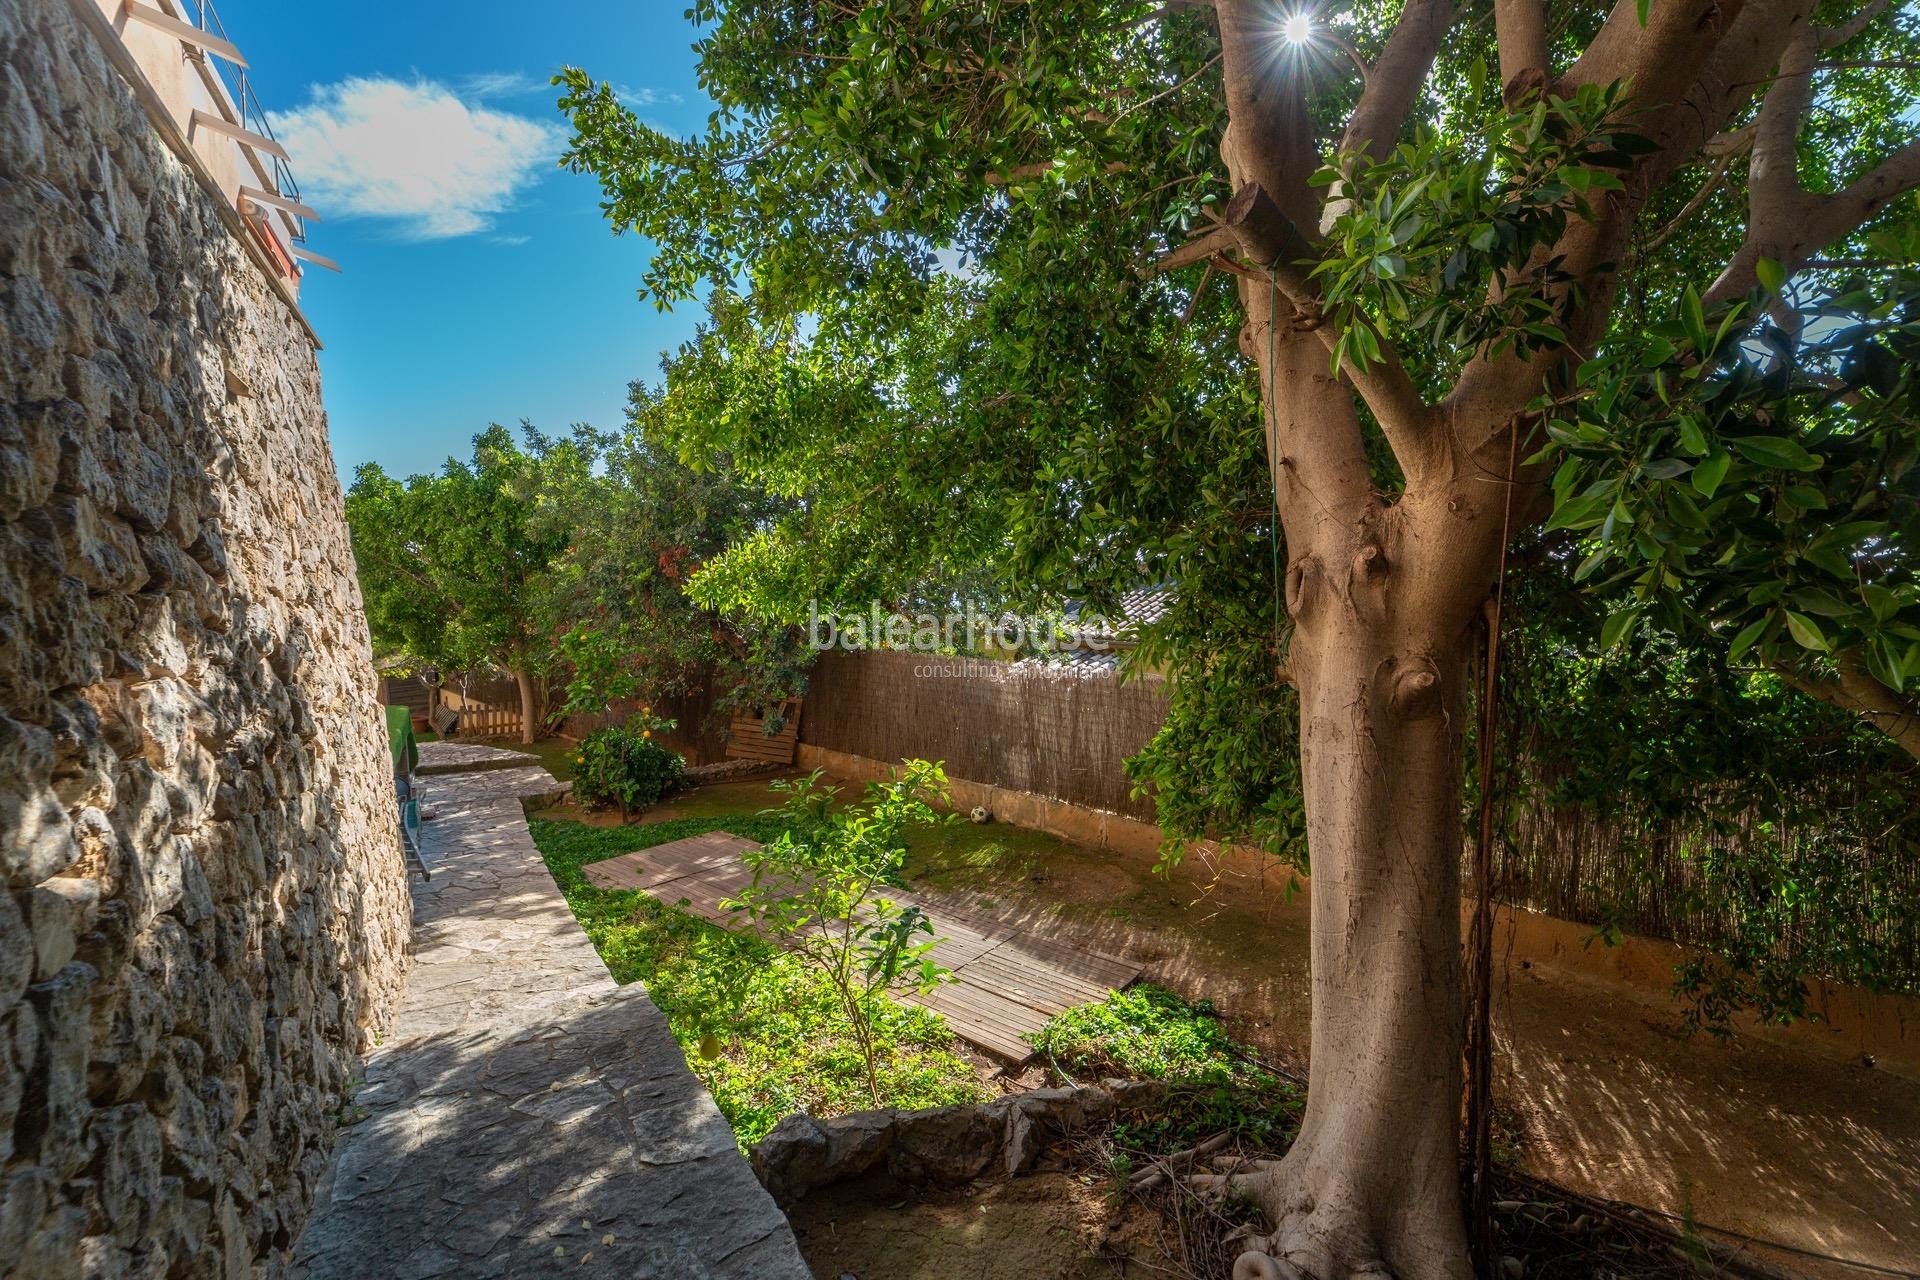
(767,1036)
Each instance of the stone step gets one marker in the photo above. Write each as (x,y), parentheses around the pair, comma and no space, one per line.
(469,757)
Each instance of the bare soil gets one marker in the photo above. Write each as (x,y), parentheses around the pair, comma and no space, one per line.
(1080,1222)
(1049,1226)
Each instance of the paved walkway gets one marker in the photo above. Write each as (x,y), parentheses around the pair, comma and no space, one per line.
(528,1117)
(1007,981)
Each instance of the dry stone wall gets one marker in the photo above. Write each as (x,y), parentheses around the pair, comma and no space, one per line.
(206,908)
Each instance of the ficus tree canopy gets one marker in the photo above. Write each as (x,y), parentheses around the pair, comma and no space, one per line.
(1316,321)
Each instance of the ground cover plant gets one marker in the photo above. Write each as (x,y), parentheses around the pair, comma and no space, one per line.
(1148,1033)
(768,1035)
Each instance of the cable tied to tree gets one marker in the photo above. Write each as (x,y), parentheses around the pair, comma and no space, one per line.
(1273,446)
(1480,1029)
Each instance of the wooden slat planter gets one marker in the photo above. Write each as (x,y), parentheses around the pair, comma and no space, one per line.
(747,737)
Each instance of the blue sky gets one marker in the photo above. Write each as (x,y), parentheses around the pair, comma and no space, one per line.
(480,282)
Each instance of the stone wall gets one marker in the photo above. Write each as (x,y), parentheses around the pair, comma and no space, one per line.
(206,909)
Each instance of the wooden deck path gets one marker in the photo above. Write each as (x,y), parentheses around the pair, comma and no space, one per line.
(1006,982)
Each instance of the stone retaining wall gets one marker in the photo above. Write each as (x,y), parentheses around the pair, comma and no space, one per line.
(939,1146)
(206,908)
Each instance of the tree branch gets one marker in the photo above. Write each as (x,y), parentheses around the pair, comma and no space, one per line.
(1132,107)
(1814,222)
(1270,137)
(1730,143)
(1215,241)
(1520,29)
(1269,238)
(1684,66)
(1853,689)
(1886,64)
(1166,10)
(1773,175)
(1842,213)
(1691,207)
(1020,173)
(1663,52)
(1834,37)
(1717,65)
(1852,264)
(1397,77)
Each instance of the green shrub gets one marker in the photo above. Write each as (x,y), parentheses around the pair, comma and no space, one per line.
(625,765)
(1149,1033)
(766,1036)
(820,888)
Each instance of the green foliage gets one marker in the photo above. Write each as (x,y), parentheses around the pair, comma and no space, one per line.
(604,670)
(1673,796)
(638,525)
(1753,488)
(924,225)
(571,554)
(1226,757)
(767,1034)
(818,892)
(625,764)
(1145,1033)
(1434,247)
(1148,1033)
(451,568)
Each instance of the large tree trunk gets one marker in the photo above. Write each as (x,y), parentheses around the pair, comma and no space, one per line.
(530,710)
(1371,1186)
(1382,597)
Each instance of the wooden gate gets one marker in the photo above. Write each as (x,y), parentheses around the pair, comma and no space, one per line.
(748,739)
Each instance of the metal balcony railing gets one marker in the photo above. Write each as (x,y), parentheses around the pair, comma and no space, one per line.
(233,78)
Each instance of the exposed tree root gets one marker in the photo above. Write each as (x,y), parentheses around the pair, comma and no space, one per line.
(1320,1232)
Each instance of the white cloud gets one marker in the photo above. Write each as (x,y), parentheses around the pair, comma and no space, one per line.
(641,96)
(502,84)
(415,153)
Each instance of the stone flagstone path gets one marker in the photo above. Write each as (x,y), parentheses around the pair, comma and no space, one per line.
(528,1117)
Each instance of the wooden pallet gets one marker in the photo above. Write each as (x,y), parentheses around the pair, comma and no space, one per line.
(1006,983)
(748,739)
